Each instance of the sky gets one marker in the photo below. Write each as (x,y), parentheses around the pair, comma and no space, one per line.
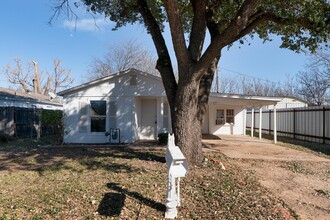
(26,33)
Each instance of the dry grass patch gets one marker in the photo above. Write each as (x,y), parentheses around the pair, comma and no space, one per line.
(124,183)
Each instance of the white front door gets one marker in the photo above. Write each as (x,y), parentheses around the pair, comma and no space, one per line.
(148,119)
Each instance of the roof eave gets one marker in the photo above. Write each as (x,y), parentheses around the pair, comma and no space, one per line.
(103,79)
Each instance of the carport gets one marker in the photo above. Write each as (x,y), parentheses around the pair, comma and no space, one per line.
(240,103)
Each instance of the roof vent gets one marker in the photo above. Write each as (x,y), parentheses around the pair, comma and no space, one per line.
(133,80)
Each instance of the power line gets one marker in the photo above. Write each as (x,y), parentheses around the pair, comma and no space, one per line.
(246,75)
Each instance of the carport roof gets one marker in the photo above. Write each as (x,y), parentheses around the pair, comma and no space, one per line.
(245,101)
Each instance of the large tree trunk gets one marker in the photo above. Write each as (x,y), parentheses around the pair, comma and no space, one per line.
(186,124)
(188,112)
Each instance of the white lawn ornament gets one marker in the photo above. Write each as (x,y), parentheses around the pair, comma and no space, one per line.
(177,167)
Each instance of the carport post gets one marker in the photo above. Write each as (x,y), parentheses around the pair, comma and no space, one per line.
(252,121)
(260,122)
(275,129)
(244,121)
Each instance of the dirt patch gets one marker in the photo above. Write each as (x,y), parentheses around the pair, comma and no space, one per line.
(301,179)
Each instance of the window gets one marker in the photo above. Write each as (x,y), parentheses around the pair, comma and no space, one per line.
(225,116)
(98,115)
(230,116)
(220,119)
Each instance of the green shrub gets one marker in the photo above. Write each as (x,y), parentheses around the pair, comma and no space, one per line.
(52,124)
(162,138)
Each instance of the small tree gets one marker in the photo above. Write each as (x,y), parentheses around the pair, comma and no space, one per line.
(30,79)
(122,56)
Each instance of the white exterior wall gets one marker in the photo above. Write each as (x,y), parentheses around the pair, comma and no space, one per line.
(128,99)
(236,128)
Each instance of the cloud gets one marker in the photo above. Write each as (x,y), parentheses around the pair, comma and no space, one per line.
(87,24)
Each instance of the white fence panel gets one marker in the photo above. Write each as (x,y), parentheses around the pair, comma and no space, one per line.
(308,123)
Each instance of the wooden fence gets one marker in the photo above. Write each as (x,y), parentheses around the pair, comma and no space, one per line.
(309,123)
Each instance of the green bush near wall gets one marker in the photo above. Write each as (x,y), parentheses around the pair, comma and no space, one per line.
(52,118)
(52,123)
(162,138)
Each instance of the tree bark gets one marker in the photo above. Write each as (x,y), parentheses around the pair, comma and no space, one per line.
(24,86)
(37,77)
(47,86)
(186,125)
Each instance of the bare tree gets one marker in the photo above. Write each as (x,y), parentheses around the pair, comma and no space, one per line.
(60,78)
(313,86)
(314,82)
(122,56)
(247,85)
(320,63)
(30,79)
(17,75)
(290,86)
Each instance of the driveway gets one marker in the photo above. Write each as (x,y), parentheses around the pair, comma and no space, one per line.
(301,179)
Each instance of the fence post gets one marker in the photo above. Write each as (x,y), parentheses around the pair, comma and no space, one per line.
(294,123)
(252,121)
(323,124)
(260,123)
(275,126)
(270,121)
(244,121)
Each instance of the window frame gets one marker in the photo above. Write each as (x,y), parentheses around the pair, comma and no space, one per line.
(220,120)
(230,116)
(98,116)
(223,120)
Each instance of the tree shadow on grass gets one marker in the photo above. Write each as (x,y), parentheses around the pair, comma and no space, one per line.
(112,203)
(87,165)
(127,153)
(90,157)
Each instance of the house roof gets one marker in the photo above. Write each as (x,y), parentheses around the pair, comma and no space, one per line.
(295,98)
(244,100)
(106,78)
(10,97)
(235,98)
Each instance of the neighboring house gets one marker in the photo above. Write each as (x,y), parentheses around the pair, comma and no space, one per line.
(11,98)
(18,111)
(135,102)
(288,102)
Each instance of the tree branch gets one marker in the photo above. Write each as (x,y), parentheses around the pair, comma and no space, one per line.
(179,44)
(198,29)
(228,35)
(164,64)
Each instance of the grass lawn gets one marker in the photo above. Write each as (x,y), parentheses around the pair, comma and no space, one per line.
(102,182)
